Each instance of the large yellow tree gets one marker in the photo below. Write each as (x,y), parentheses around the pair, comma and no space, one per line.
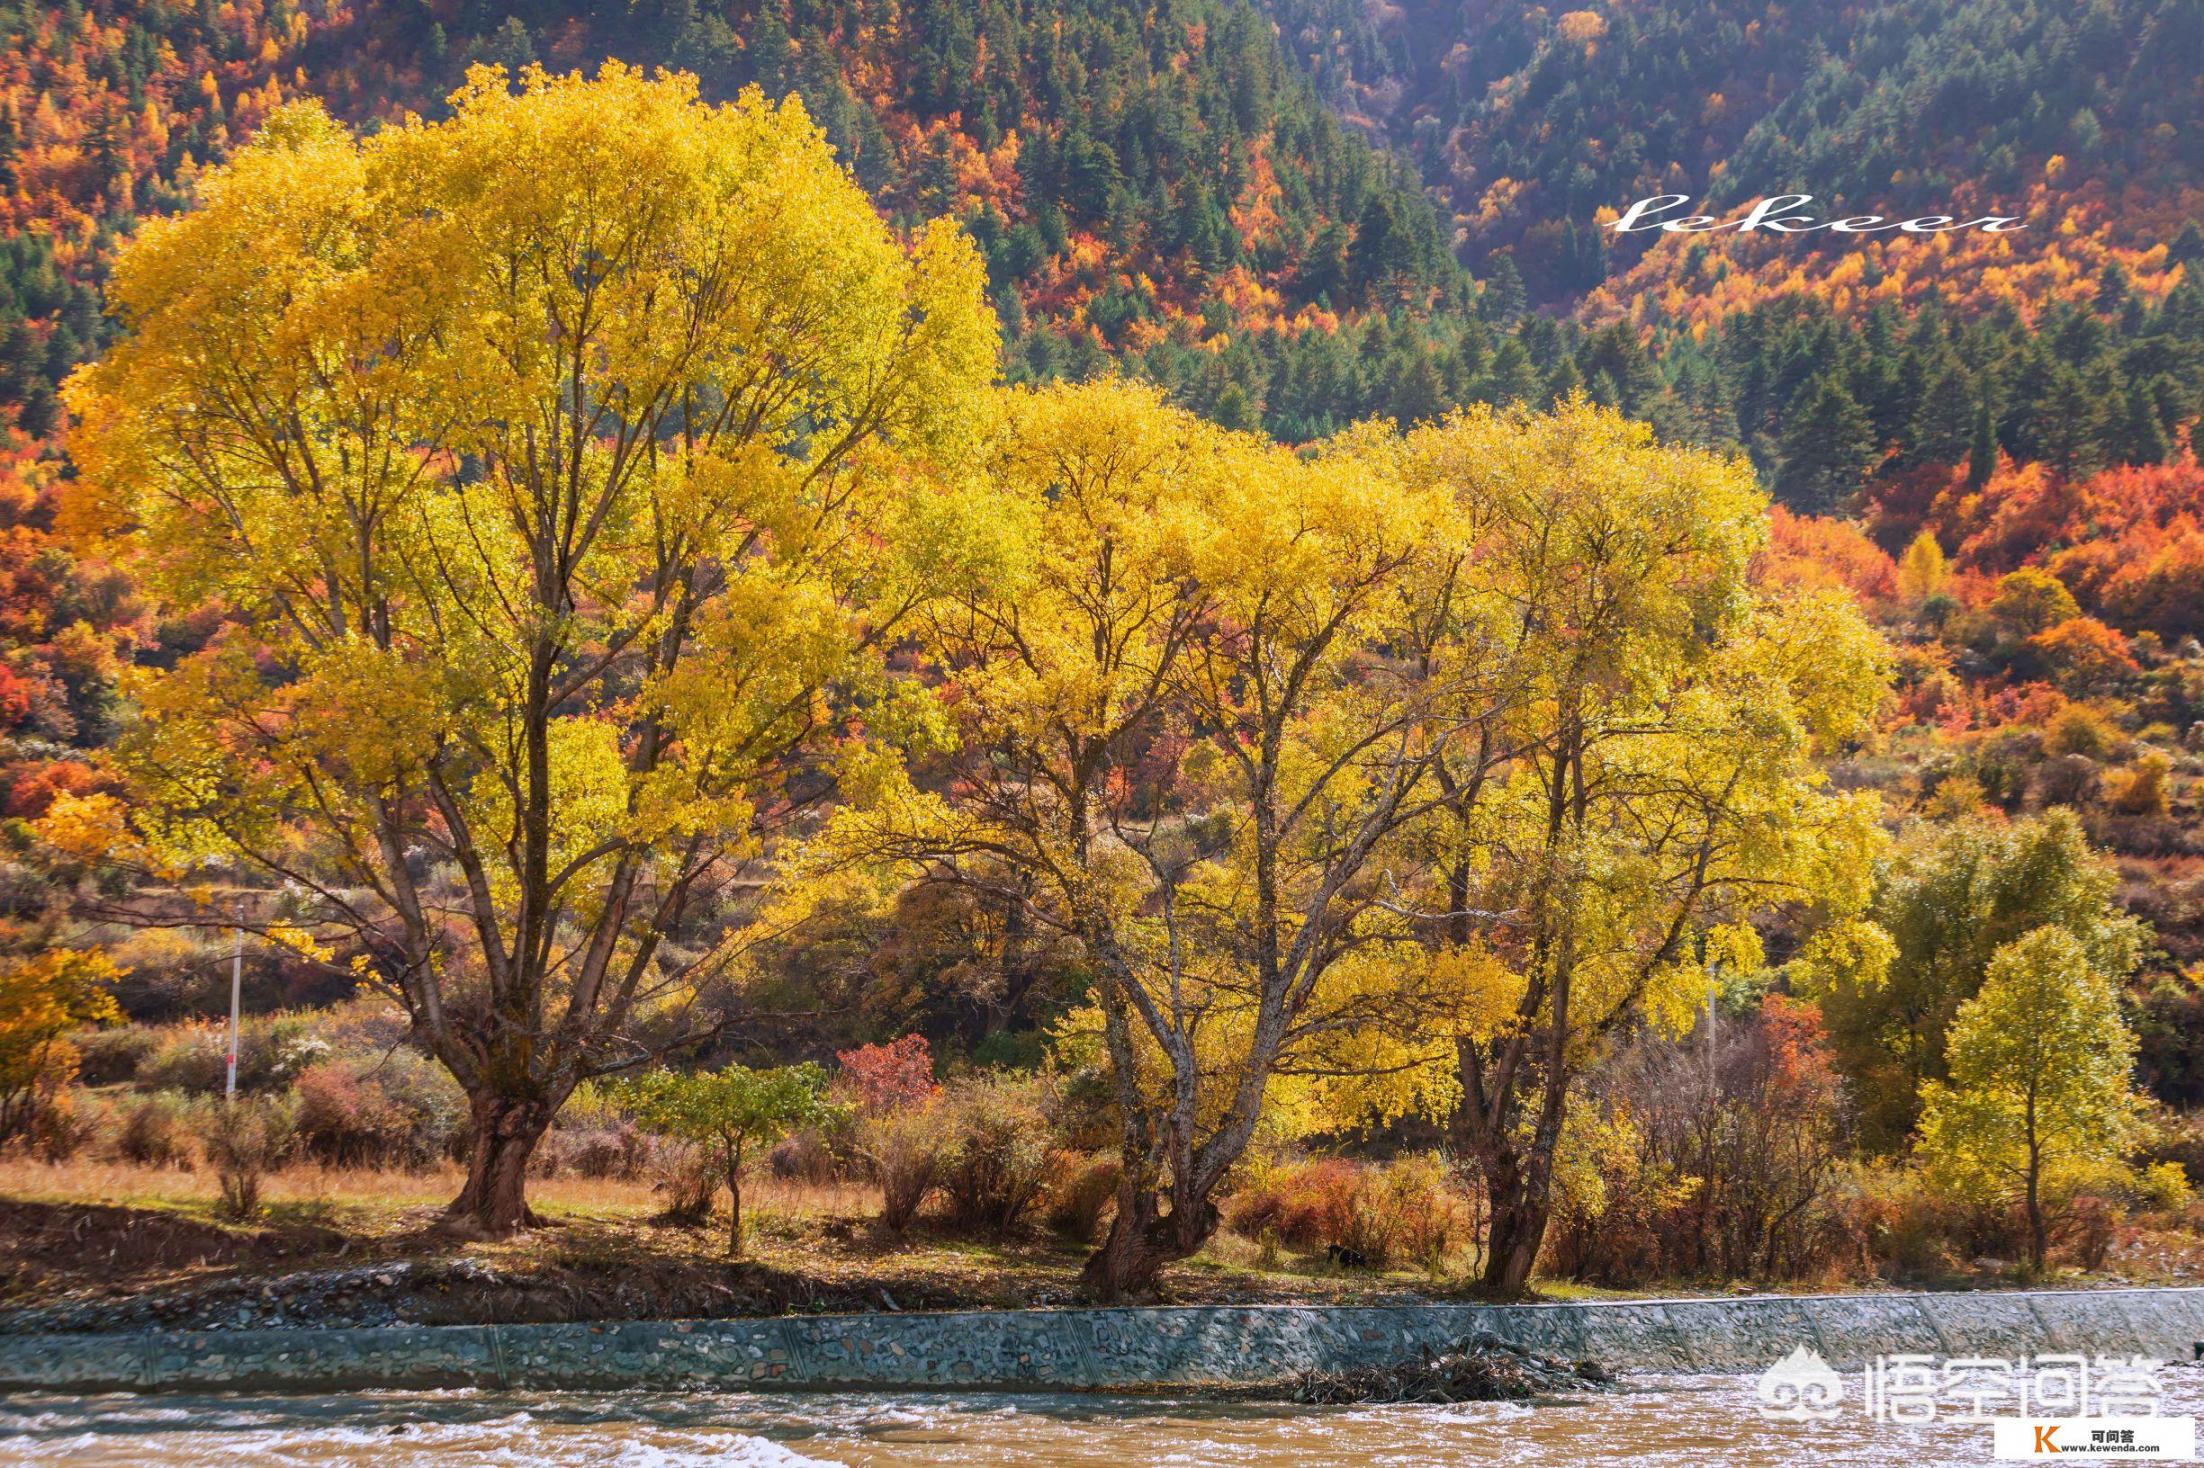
(538,459)
(1631,774)
(1177,725)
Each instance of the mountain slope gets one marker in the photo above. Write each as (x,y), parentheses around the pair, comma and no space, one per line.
(1141,176)
(1531,122)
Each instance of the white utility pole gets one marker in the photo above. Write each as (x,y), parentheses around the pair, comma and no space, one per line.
(237,985)
(1714,1087)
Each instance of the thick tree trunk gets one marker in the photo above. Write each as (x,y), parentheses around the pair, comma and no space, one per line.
(494,1202)
(1142,1239)
(1517,1172)
(1518,1228)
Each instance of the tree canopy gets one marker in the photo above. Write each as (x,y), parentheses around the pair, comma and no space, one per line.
(535,457)
(2040,1098)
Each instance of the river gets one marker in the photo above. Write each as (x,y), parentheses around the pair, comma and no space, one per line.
(1692,1420)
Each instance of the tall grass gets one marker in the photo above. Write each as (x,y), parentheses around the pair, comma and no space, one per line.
(91,1180)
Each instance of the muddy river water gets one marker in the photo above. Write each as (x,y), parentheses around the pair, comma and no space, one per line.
(1667,1419)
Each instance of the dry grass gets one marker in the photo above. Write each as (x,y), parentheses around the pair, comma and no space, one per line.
(365,1191)
(808,1246)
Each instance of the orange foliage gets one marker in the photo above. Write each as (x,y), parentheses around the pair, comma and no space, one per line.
(2128,542)
(2084,655)
(2073,233)
(1808,551)
(88,149)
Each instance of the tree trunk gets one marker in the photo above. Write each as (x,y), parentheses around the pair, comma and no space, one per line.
(1518,1176)
(1141,1240)
(494,1202)
(734,1203)
(2039,1243)
(1518,1228)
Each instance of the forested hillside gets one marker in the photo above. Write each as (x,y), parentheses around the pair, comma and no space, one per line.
(1151,181)
(1530,121)
(1161,185)
(1167,186)
(1957,664)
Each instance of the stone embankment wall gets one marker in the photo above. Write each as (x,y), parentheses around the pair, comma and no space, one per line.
(1102,1349)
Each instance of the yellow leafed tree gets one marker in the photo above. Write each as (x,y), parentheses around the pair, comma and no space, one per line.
(1922,571)
(1172,723)
(1629,774)
(537,458)
(2041,1098)
(44,997)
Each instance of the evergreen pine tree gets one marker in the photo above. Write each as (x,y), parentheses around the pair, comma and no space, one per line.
(1828,447)
(1563,380)
(2137,437)
(1503,297)
(1943,420)
(2070,422)
(1511,378)
(1982,453)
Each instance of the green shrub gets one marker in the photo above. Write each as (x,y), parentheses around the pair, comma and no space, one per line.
(245,1138)
(111,1056)
(158,1130)
(996,1158)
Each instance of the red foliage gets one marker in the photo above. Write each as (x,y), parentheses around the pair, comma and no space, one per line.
(1302,1205)
(2128,542)
(889,1077)
(1798,1046)
(15,698)
(31,785)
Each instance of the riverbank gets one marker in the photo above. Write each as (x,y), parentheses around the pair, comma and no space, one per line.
(70,1267)
(120,1248)
(1113,1349)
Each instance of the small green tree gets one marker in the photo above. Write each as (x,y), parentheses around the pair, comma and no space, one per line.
(1949,898)
(734,1112)
(2040,1095)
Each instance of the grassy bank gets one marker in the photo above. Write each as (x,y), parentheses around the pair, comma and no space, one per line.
(116,1245)
(93,1236)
